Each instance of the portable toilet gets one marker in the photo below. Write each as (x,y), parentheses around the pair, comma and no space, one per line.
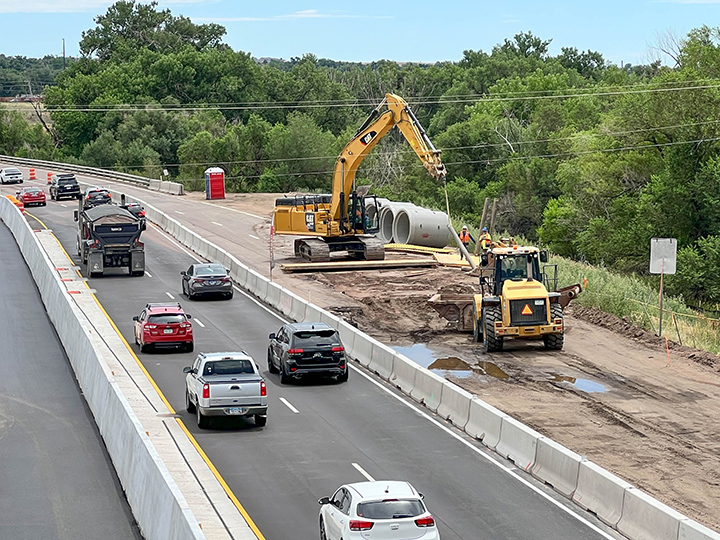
(214,183)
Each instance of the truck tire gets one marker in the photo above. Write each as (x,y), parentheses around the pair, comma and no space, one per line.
(202,420)
(189,405)
(491,343)
(477,326)
(260,420)
(139,273)
(555,342)
(271,366)
(189,347)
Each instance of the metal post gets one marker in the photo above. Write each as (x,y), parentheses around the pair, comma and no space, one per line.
(464,251)
(272,253)
(662,275)
(482,223)
(492,218)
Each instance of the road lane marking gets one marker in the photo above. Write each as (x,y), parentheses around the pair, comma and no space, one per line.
(170,295)
(363,472)
(233,210)
(179,212)
(147,273)
(63,205)
(199,322)
(289,405)
(216,223)
(39,221)
(253,236)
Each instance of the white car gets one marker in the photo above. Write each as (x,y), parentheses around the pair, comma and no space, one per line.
(10,175)
(379,510)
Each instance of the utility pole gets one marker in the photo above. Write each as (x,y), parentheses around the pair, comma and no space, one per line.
(63,53)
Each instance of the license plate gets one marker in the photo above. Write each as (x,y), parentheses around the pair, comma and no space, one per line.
(236,410)
(213,282)
(167,331)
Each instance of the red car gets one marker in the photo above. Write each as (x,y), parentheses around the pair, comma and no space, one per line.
(31,195)
(163,325)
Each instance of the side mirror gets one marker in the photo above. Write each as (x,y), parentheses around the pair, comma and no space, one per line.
(136,318)
(324,500)
(544,256)
(484,259)
(17,193)
(273,336)
(187,369)
(183,273)
(188,316)
(75,215)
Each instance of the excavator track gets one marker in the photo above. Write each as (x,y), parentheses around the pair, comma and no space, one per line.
(374,248)
(312,249)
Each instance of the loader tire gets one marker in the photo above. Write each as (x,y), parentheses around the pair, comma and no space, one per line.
(554,342)
(491,343)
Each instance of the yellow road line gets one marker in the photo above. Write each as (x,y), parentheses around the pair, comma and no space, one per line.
(182,425)
(36,219)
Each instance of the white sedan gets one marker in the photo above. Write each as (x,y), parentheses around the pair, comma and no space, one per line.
(379,510)
(11,175)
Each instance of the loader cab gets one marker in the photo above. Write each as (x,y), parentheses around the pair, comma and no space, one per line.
(512,266)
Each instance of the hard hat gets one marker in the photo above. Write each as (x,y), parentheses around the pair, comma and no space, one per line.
(464,227)
(484,229)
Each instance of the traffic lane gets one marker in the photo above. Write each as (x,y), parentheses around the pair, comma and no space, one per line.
(57,480)
(302,457)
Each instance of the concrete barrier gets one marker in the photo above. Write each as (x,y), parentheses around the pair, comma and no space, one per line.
(347,335)
(600,492)
(261,288)
(484,422)
(298,308)
(312,314)
(455,405)
(557,466)
(154,185)
(362,350)
(273,295)
(404,372)
(518,443)
(381,360)
(646,518)
(691,530)
(251,281)
(330,319)
(428,388)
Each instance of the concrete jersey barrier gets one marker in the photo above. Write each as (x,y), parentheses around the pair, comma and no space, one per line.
(518,443)
(557,466)
(601,492)
(646,518)
(485,422)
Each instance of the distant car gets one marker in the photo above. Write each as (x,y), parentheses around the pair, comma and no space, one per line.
(31,196)
(163,325)
(11,175)
(135,208)
(225,384)
(95,196)
(205,279)
(64,185)
(380,510)
(307,348)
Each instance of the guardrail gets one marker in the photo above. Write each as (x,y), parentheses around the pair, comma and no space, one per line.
(174,188)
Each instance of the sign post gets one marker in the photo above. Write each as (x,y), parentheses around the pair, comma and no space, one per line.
(272,253)
(663,260)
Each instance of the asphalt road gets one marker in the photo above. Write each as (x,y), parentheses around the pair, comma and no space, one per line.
(56,480)
(340,432)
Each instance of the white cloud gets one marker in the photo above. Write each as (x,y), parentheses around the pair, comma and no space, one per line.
(304,14)
(72,6)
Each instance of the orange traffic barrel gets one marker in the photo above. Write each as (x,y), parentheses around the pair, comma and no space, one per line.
(49,177)
(32,174)
(17,203)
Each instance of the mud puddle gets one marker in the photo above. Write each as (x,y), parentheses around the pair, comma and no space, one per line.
(584,385)
(444,365)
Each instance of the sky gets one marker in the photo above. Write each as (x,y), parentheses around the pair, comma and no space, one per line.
(421,31)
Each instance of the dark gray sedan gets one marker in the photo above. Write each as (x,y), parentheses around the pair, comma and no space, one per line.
(206,279)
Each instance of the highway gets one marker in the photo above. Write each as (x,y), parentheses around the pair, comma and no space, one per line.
(56,480)
(321,434)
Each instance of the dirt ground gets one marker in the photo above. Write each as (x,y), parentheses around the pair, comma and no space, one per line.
(614,394)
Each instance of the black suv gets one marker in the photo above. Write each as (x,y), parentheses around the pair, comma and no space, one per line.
(305,348)
(95,196)
(64,185)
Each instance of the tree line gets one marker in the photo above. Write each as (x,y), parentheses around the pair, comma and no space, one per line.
(584,156)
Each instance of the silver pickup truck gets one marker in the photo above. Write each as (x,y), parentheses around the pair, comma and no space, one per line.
(225,384)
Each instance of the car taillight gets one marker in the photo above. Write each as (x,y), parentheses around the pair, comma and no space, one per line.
(426,521)
(141,213)
(137,243)
(225,279)
(295,351)
(358,525)
(95,243)
(206,391)
(150,326)
(338,349)
(185,325)
(263,388)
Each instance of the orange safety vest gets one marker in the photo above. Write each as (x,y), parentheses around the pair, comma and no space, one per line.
(485,239)
(464,237)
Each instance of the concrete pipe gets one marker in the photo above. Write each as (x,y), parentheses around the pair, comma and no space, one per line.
(372,212)
(387,217)
(421,227)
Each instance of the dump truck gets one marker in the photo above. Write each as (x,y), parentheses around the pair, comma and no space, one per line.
(517,300)
(108,236)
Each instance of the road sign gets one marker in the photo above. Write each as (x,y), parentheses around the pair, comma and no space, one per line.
(663,255)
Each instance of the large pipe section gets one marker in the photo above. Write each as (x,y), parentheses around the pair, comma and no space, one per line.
(387,218)
(421,227)
(372,212)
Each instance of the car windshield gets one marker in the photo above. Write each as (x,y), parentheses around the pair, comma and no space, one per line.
(228,367)
(316,338)
(513,267)
(34,191)
(66,181)
(166,318)
(391,509)
(209,270)
(12,171)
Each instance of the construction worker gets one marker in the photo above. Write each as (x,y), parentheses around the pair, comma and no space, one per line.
(485,239)
(465,236)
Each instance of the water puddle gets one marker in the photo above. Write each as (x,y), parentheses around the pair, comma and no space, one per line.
(420,354)
(584,385)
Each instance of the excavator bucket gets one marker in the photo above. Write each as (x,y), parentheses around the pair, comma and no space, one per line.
(568,294)
(456,308)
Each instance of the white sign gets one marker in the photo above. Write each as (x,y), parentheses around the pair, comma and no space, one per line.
(663,255)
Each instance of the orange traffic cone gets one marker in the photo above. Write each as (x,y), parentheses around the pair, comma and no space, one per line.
(49,177)
(32,174)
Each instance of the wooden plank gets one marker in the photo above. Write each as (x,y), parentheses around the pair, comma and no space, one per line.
(357,265)
(409,248)
(455,260)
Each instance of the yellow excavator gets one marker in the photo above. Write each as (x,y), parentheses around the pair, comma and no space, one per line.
(339,222)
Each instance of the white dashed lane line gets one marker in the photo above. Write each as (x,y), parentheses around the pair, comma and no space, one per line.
(147,274)
(363,472)
(63,205)
(179,212)
(170,295)
(199,322)
(289,405)
(253,236)
(216,223)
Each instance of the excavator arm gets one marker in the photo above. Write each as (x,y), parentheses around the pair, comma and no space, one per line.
(375,127)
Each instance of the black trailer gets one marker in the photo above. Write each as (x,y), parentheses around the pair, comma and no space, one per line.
(108,236)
